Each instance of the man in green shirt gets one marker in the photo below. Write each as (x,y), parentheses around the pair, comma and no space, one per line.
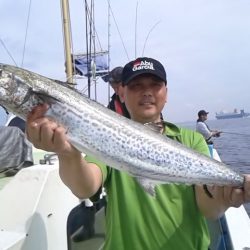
(175,217)
(171,220)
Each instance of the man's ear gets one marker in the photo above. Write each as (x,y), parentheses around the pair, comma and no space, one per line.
(121,93)
(166,95)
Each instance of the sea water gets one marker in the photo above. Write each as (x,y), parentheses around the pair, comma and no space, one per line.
(233,145)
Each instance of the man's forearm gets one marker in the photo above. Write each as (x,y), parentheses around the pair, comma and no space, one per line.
(84,179)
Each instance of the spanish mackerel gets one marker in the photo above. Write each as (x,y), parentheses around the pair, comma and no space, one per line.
(119,142)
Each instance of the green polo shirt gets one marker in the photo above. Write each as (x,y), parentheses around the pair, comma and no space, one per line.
(171,220)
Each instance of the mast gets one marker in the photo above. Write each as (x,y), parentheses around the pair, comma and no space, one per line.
(94,48)
(67,40)
(90,42)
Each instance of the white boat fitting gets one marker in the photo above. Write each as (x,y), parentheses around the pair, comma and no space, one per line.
(35,205)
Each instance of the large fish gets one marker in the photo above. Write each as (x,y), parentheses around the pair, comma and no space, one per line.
(119,142)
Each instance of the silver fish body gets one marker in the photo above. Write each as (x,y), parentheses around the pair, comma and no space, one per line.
(119,142)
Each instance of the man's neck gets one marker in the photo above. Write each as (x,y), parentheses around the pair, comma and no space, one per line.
(145,120)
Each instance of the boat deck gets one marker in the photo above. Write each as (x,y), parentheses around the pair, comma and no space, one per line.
(4,181)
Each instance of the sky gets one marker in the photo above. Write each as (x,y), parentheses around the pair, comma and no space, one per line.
(203,45)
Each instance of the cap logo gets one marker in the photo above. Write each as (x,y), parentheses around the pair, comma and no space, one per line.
(140,65)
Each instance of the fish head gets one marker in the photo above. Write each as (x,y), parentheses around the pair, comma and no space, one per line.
(13,90)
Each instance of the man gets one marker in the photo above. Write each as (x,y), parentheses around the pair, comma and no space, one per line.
(15,151)
(174,219)
(115,78)
(203,128)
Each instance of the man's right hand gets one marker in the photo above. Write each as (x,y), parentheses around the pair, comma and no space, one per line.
(216,133)
(46,134)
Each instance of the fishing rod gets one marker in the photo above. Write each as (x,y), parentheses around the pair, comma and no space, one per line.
(232,133)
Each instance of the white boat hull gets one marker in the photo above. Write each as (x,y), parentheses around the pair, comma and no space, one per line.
(34,209)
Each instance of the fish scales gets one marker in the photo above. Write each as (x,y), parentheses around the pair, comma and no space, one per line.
(119,142)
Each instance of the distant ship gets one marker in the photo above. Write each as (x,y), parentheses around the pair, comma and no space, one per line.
(229,115)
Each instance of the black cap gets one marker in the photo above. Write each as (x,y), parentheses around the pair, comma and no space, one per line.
(143,65)
(115,75)
(202,112)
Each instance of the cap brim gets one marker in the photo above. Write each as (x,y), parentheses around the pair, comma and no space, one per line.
(142,73)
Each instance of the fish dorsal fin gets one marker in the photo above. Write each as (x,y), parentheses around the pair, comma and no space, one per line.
(46,97)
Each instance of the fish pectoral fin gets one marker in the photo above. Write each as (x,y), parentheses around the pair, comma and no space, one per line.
(147,185)
(46,97)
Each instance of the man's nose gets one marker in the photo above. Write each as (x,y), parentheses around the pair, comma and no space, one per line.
(147,92)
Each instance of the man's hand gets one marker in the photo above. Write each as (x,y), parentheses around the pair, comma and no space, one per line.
(231,196)
(222,198)
(216,133)
(45,133)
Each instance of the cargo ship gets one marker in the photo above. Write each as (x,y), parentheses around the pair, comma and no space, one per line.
(230,115)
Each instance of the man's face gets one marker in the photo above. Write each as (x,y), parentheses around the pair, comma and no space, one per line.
(203,117)
(145,97)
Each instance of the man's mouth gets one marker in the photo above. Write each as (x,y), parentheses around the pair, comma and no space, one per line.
(146,103)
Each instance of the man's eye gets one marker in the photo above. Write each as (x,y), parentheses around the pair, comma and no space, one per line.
(135,85)
(158,83)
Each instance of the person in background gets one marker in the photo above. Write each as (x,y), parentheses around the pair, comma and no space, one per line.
(16,150)
(17,122)
(173,219)
(203,128)
(115,104)
(13,120)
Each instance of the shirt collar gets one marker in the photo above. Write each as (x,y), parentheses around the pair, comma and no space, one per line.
(171,129)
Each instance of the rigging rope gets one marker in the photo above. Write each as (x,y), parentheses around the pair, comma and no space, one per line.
(136,29)
(94,29)
(148,36)
(26,33)
(8,52)
(118,30)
